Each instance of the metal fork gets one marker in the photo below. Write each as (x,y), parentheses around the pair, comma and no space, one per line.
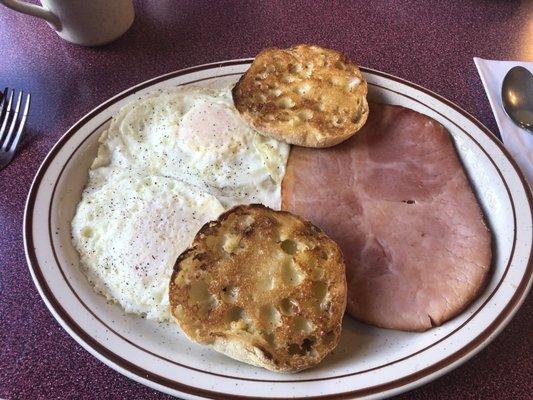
(11,126)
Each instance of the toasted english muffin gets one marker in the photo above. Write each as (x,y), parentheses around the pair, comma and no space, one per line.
(304,95)
(261,286)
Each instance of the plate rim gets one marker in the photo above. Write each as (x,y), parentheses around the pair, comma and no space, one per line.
(109,358)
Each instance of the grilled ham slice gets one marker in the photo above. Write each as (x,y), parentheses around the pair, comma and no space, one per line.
(398,202)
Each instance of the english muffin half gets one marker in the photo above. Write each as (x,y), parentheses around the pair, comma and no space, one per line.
(263,287)
(304,95)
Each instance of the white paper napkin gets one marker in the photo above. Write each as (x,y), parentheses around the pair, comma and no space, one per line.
(517,140)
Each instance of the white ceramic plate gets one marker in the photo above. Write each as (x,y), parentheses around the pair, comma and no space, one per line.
(369,362)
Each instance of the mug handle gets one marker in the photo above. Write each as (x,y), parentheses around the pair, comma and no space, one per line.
(33,10)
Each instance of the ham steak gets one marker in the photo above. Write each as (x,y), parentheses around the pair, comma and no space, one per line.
(397,200)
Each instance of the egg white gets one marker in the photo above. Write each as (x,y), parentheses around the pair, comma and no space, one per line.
(195,135)
(130,232)
(168,163)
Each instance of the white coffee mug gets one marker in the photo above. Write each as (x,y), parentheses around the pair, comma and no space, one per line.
(84,22)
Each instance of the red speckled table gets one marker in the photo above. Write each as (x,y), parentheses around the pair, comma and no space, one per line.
(431,43)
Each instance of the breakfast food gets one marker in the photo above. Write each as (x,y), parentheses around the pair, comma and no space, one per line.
(261,286)
(398,202)
(130,232)
(168,163)
(305,95)
(268,287)
(197,136)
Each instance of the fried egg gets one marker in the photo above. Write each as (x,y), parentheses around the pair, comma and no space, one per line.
(130,232)
(169,162)
(195,135)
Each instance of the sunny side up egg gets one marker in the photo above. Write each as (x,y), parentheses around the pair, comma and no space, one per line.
(169,162)
(195,135)
(131,231)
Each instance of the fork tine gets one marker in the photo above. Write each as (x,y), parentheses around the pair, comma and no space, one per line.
(13,122)
(4,103)
(22,123)
(6,114)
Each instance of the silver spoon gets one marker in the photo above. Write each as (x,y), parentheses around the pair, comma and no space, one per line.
(517,97)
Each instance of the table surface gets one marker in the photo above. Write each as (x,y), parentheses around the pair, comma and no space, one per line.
(431,43)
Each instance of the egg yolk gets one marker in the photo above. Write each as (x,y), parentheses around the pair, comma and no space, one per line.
(208,125)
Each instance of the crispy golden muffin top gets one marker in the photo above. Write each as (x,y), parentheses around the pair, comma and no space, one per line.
(304,95)
(262,286)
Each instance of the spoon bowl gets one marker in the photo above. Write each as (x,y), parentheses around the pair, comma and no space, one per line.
(517,96)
